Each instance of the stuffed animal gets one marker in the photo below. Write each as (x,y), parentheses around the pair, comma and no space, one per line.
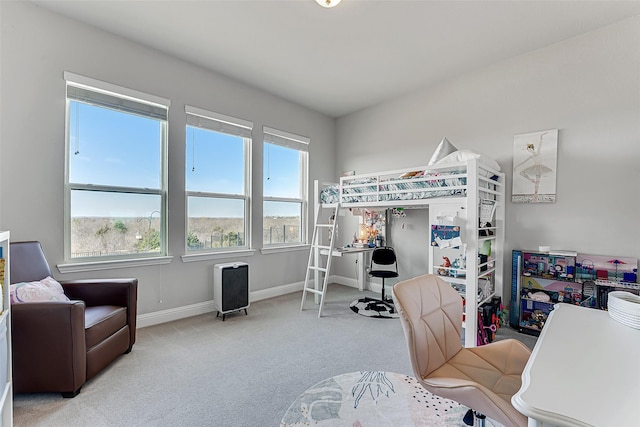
(539,296)
(446,264)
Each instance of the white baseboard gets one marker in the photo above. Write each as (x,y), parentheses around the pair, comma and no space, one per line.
(171,314)
(347,281)
(276,291)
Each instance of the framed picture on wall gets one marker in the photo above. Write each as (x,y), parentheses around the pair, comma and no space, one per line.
(535,158)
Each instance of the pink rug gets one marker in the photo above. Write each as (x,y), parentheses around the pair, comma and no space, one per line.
(372,399)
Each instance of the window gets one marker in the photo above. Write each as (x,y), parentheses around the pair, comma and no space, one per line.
(115,178)
(217,181)
(285,187)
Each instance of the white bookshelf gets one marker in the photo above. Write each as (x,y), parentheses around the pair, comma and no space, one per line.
(6,398)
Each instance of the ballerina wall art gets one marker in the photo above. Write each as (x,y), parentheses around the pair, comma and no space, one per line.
(534,167)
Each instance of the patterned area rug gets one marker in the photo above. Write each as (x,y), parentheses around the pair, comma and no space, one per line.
(372,307)
(373,399)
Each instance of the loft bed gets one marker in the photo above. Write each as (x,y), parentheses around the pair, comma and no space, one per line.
(460,186)
(417,186)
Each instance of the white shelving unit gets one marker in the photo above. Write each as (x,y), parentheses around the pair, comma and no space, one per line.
(6,400)
(477,282)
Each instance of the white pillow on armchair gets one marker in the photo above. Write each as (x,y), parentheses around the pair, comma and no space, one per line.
(45,290)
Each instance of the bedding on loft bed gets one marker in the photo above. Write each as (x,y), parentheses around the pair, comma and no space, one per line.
(447,178)
(408,188)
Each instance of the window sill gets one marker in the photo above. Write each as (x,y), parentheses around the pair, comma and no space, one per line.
(217,255)
(277,249)
(77,267)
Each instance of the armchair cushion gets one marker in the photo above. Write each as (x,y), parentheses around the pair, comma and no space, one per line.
(100,292)
(47,289)
(102,321)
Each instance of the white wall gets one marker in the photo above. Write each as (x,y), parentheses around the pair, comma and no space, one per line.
(37,46)
(588,87)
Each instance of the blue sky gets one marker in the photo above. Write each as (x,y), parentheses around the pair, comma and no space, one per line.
(113,148)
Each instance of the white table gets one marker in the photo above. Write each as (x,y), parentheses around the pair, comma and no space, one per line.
(362,264)
(584,371)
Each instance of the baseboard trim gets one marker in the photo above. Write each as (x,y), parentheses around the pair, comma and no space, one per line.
(177,313)
(353,283)
(276,291)
(171,314)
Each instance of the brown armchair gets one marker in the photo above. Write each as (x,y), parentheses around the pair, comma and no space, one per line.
(57,346)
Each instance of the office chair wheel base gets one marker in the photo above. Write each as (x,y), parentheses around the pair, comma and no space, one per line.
(470,417)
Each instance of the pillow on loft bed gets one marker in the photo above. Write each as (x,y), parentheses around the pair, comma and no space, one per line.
(442,150)
(464,155)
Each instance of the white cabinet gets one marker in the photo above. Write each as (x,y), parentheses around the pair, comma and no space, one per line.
(6,399)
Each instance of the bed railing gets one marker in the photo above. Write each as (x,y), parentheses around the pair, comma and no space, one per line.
(417,186)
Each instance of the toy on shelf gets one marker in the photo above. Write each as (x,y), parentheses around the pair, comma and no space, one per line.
(446,265)
(606,269)
(457,267)
(541,280)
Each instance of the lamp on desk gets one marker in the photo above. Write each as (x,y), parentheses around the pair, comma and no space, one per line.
(363,233)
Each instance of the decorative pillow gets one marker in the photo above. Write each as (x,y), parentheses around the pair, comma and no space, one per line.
(464,155)
(44,290)
(442,150)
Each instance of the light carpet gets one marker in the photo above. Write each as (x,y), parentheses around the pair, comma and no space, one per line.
(373,399)
(244,372)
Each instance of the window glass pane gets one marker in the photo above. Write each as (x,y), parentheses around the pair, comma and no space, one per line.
(111,223)
(215,162)
(113,148)
(282,168)
(215,223)
(282,222)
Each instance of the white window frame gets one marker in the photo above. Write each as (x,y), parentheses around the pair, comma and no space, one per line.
(129,97)
(300,143)
(217,122)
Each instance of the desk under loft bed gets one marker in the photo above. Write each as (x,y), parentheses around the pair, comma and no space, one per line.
(457,196)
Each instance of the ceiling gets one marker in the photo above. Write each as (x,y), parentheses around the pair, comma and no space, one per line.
(360,53)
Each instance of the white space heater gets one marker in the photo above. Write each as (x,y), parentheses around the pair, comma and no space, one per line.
(231,287)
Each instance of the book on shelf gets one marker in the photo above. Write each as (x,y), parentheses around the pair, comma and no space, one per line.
(445,236)
(2,285)
(487,210)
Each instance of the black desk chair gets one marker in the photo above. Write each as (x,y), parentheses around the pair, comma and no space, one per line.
(384,265)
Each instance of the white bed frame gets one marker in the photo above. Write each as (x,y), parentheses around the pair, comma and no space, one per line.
(447,210)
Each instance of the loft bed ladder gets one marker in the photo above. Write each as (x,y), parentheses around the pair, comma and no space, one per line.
(316,263)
